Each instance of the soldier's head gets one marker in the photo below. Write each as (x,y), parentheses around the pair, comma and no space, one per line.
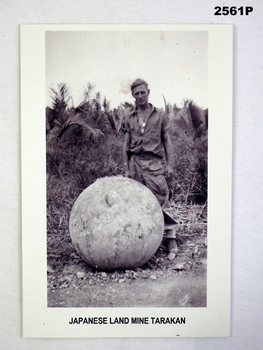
(140,91)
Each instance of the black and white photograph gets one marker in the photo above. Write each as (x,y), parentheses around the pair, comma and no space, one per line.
(131,175)
(126,109)
(125,184)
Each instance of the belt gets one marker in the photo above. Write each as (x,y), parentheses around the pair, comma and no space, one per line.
(146,156)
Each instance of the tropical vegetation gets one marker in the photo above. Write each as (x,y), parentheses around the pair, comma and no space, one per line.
(85,143)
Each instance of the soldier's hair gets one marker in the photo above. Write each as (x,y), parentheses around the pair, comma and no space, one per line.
(138,82)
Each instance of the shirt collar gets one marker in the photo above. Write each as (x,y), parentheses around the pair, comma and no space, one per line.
(135,109)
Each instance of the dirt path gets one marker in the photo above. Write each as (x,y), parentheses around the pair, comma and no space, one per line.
(160,283)
(187,291)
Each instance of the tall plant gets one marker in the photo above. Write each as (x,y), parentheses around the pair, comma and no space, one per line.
(189,127)
(191,119)
(95,110)
(64,123)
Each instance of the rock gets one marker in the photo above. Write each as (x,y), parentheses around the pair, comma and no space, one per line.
(144,276)
(179,266)
(80,274)
(195,251)
(153,277)
(50,269)
(68,278)
(74,256)
(122,280)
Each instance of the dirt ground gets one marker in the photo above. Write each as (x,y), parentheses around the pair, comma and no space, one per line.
(159,283)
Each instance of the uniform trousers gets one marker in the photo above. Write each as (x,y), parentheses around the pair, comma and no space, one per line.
(149,170)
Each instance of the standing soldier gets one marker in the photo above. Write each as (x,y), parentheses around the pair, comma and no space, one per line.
(146,141)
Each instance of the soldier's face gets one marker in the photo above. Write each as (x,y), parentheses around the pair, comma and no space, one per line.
(141,95)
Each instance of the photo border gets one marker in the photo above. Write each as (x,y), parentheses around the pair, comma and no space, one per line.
(41,321)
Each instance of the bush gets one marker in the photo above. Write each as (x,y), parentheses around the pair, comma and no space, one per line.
(72,168)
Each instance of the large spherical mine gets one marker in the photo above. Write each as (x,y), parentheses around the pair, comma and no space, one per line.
(116,223)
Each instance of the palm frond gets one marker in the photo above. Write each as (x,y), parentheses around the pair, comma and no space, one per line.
(76,120)
(167,107)
(61,96)
(191,119)
(106,105)
(112,120)
(196,114)
(88,90)
(127,105)
(121,115)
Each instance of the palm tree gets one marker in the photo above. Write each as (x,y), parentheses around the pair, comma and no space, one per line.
(192,120)
(95,112)
(64,123)
(189,127)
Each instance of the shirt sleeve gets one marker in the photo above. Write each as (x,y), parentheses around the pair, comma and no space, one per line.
(127,115)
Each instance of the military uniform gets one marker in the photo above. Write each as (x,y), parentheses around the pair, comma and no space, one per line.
(146,153)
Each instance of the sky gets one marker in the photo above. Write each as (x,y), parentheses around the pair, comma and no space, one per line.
(174,63)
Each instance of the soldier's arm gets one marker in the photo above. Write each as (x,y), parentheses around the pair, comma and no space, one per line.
(126,144)
(167,144)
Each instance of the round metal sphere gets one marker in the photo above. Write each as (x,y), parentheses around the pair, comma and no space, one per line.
(116,223)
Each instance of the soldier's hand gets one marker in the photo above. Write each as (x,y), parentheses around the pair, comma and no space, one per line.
(168,171)
(127,173)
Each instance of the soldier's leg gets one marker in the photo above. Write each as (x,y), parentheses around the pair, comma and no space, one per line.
(158,185)
(135,169)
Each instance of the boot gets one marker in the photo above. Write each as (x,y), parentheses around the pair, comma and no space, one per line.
(172,248)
